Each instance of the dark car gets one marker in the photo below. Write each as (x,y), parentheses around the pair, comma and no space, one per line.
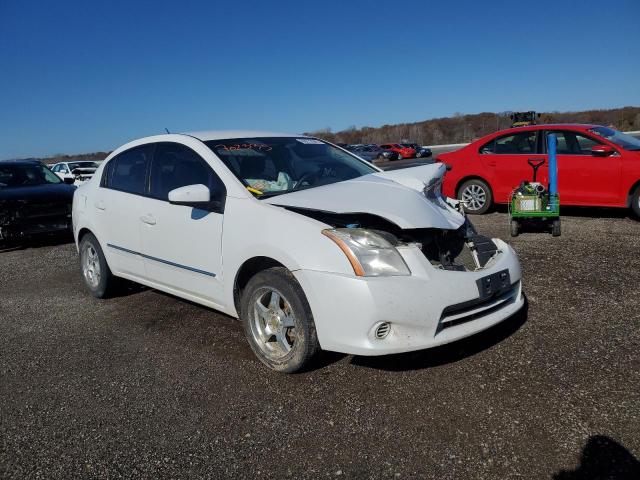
(372,152)
(33,201)
(421,152)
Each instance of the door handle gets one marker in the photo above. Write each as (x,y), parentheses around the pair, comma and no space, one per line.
(100,205)
(148,219)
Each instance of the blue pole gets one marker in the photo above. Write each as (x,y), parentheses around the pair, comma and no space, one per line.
(553,164)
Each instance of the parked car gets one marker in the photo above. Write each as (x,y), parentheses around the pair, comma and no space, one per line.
(402,151)
(421,152)
(597,166)
(372,152)
(80,171)
(33,201)
(319,250)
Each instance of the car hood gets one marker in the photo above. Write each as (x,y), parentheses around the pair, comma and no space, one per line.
(398,196)
(59,192)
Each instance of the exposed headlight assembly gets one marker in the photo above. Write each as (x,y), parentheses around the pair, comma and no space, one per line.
(371,253)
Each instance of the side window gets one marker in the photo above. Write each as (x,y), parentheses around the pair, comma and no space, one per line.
(518,143)
(55,169)
(128,171)
(175,165)
(488,147)
(585,144)
(573,143)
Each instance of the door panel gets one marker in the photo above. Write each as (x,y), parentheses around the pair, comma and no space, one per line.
(118,214)
(506,159)
(117,209)
(182,248)
(584,179)
(182,245)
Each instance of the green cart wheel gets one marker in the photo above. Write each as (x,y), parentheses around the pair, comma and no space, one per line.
(514,228)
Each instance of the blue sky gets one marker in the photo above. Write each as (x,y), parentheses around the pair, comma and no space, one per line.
(80,76)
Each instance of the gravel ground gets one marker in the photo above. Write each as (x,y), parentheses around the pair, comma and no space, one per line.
(148,386)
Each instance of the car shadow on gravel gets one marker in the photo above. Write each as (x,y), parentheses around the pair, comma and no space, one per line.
(603,458)
(449,353)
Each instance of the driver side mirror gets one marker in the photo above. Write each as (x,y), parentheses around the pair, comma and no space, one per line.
(602,150)
(197,196)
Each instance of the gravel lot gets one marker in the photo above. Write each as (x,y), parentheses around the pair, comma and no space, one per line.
(147,385)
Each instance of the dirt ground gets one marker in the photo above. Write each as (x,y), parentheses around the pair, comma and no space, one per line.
(147,385)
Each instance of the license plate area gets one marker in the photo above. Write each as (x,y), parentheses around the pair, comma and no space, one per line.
(494,284)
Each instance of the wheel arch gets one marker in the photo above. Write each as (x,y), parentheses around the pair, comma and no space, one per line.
(632,190)
(82,232)
(473,177)
(247,270)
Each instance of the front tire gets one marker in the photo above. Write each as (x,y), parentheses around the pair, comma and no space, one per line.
(555,228)
(277,321)
(476,196)
(96,274)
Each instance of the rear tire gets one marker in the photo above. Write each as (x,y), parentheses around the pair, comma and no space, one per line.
(96,274)
(399,157)
(635,202)
(514,228)
(476,196)
(277,321)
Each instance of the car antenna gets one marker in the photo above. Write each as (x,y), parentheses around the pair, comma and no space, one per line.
(166,130)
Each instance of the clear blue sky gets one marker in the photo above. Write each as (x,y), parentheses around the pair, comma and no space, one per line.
(80,76)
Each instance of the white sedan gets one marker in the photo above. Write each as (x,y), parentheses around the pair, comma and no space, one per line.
(80,171)
(310,246)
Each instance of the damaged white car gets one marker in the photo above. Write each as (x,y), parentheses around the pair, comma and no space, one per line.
(310,246)
(79,172)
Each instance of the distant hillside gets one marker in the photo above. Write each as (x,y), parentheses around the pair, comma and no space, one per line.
(465,128)
(457,129)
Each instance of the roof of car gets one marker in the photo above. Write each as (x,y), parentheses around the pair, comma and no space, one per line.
(542,126)
(224,134)
(26,161)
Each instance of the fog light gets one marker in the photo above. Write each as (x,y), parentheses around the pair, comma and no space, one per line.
(382,330)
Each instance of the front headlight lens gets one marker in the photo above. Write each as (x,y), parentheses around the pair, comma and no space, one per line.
(369,252)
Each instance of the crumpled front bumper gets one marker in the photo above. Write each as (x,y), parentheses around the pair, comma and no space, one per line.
(428,308)
(24,220)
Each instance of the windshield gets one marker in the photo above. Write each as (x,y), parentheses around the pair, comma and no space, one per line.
(74,165)
(270,166)
(623,140)
(26,175)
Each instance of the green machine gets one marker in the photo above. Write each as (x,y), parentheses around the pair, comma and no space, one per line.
(535,203)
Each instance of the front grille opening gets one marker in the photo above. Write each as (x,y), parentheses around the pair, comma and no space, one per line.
(499,302)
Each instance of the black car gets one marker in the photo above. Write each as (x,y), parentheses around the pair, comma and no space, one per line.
(420,151)
(372,152)
(33,201)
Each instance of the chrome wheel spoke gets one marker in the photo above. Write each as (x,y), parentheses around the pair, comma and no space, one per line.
(287,321)
(274,302)
(283,343)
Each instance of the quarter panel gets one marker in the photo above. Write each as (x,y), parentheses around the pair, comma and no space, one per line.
(253,228)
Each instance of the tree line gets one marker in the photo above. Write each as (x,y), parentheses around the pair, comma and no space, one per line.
(459,128)
(462,128)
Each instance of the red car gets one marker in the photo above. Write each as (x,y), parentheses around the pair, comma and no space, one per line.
(597,166)
(402,151)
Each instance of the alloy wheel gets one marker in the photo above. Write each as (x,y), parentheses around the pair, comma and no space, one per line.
(273,323)
(474,197)
(91,266)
